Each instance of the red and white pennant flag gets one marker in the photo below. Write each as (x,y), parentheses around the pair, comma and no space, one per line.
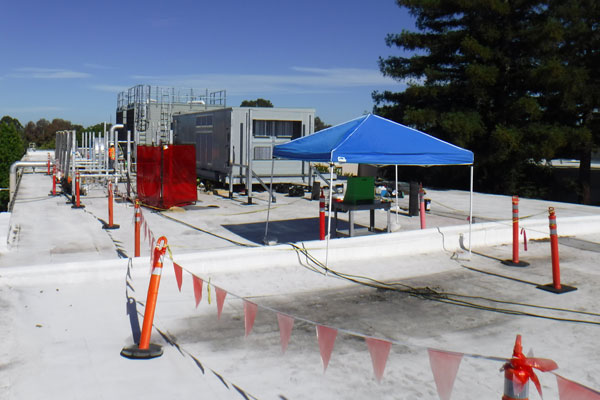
(379,350)
(569,390)
(197,289)
(326,337)
(444,366)
(286,324)
(250,310)
(221,294)
(178,274)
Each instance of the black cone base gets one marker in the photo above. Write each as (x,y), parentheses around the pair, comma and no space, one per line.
(113,226)
(550,288)
(510,263)
(79,206)
(135,353)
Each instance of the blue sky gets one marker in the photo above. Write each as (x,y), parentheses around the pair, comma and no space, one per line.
(69,59)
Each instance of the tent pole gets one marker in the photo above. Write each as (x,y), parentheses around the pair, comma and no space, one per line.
(397,206)
(470,209)
(265,240)
(329,216)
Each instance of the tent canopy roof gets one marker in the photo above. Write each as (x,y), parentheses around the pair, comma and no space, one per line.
(371,139)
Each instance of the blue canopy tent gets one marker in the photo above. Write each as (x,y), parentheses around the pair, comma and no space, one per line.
(371,139)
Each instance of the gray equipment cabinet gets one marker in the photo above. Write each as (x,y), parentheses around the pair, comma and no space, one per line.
(234,145)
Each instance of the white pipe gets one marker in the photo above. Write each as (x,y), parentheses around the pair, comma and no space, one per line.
(111,133)
(13,173)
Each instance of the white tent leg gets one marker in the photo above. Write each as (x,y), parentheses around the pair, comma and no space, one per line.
(265,240)
(397,206)
(329,216)
(470,209)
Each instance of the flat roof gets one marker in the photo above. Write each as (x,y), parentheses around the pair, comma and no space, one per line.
(64,284)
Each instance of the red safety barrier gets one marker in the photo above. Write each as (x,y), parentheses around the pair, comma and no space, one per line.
(138,224)
(166,175)
(519,370)
(515,262)
(422,206)
(555,286)
(322,216)
(144,349)
(77,201)
(110,224)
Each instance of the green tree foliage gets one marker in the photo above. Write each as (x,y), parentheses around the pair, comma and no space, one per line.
(570,81)
(12,121)
(43,132)
(97,127)
(476,80)
(11,150)
(256,103)
(320,125)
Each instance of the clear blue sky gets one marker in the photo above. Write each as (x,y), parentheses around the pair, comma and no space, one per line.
(69,59)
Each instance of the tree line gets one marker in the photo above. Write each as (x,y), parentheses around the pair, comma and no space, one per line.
(15,138)
(515,81)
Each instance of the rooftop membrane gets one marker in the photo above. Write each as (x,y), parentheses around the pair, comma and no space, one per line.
(64,284)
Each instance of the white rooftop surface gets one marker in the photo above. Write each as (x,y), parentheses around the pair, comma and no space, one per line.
(63,298)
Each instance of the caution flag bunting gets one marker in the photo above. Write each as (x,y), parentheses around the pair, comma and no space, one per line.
(250,310)
(197,289)
(379,350)
(221,294)
(286,324)
(326,337)
(444,366)
(569,390)
(178,274)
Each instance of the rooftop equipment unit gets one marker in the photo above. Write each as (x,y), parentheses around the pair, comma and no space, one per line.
(235,145)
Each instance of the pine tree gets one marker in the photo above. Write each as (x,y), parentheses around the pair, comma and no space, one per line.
(471,81)
(571,82)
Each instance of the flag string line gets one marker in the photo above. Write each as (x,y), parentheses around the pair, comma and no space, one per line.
(391,286)
(442,297)
(431,295)
(382,285)
(172,342)
(392,341)
(505,222)
(465,214)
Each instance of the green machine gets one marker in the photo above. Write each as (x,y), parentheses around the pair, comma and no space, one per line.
(360,190)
